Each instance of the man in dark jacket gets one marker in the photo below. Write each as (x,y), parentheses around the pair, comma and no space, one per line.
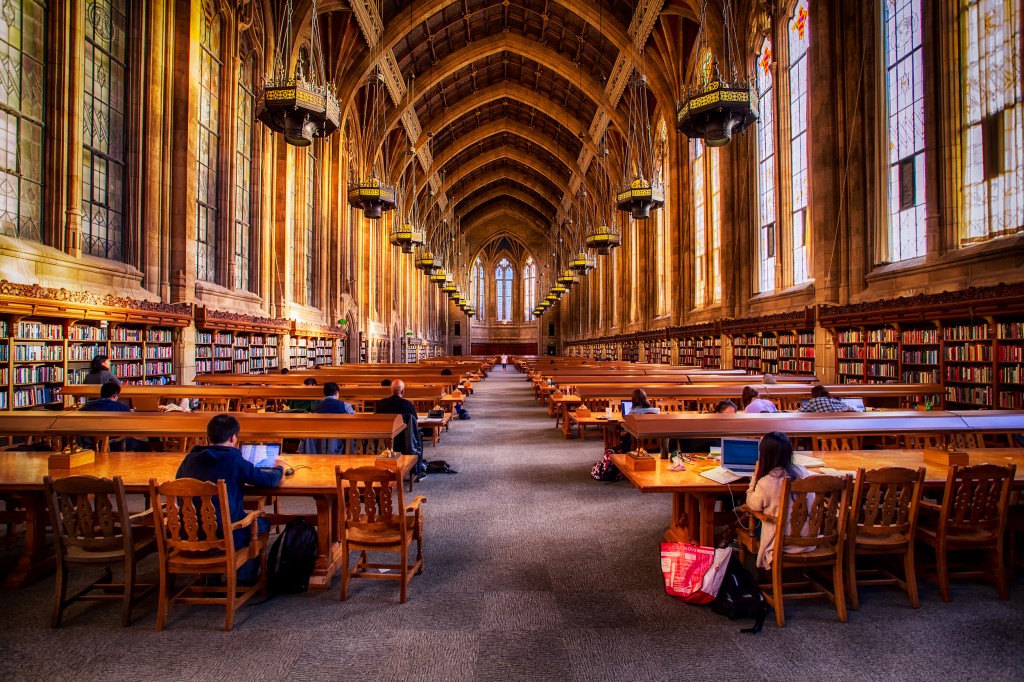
(396,403)
(223,460)
(110,392)
(331,404)
(410,441)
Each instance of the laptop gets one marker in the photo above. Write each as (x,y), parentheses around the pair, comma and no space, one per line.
(855,403)
(627,407)
(261,454)
(739,458)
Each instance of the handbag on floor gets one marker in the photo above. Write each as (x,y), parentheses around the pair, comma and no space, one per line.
(693,573)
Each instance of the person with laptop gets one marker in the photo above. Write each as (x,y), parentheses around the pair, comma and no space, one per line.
(222,460)
(331,404)
(774,465)
(640,404)
(822,401)
(753,404)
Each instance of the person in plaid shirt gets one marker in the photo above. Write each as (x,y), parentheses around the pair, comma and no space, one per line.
(822,401)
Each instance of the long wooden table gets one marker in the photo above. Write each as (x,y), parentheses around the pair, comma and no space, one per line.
(694,497)
(269,426)
(23,472)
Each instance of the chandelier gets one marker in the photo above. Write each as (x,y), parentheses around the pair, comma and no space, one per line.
(715,105)
(438,276)
(303,105)
(424,260)
(604,235)
(640,188)
(582,263)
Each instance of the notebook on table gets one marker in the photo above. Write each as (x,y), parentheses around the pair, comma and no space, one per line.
(261,454)
(739,458)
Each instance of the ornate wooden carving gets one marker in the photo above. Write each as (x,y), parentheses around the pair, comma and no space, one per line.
(795,320)
(313,329)
(1001,299)
(217,319)
(32,299)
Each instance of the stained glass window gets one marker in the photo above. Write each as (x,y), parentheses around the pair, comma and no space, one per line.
(766,167)
(503,294)
(103,136)
(529,288)
(209,110)
(478,289)
(799,40)
(22,29)
(310,242)
(707,224)
(905,102)
(243,177)
(993,135)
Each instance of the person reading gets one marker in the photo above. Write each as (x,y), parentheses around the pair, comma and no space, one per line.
(409,441)
(110,393)
(331,404)
(100,373)
(223,460)
(304,405)
(753,404)
(822,401)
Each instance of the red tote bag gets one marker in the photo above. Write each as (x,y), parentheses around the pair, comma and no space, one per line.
(693,573)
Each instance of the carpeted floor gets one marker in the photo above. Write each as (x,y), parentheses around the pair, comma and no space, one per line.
(533,571)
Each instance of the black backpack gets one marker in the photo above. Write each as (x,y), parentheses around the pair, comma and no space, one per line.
(740,597)
(292,558)
(605,470)
(439,466)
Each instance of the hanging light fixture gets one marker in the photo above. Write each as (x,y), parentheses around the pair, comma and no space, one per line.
(640,189)
(424,260)
(582,263)
(406,233)
(302,105)
(604,235)
(715,106)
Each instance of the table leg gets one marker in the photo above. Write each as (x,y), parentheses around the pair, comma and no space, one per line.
(36,558)
(329,543)
(678,528)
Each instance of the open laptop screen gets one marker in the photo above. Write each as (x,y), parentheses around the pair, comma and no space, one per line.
(739,455)
(855,403)
(261,454)
(627,407)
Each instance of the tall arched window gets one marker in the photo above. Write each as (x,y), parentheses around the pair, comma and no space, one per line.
(21,119)
(707,224)
(766,168)
(634,273)
(209,111)
(661,255)
(799,40)
(904,75)
(478,289)
(243,176)
(993,134)
(503,290)
(529,288)
(310,226)
(103,138)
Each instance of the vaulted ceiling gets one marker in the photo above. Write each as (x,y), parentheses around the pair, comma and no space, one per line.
(504,102)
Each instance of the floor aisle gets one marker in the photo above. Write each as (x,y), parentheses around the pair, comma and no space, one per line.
(533,571)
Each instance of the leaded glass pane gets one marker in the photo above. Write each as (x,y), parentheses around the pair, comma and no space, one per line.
(529,288)
(503,280)
(311,279)
(799,40)
(243,177)
(22,24)
(206,176)
(994,114)
(699,223)
(766,164)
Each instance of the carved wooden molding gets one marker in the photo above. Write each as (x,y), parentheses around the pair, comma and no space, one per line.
(313,329)
(1001,299)
(220,320)
(34,300)
(796,320)
(701,329)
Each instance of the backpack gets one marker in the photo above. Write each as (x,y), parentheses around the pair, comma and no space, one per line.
(605,470)
(740,597)
(439,466)
(462,412)
(292,558)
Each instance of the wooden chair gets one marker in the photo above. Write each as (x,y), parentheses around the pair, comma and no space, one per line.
(821,524)
(836,443)
(972,516)
(375,518)
(91,527)
(250,405)
(190,541)
(214,405)
(967,440)
(367,446)
(671,406)
(883,522)
(920,441)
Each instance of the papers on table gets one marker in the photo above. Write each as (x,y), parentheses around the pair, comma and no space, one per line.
(721,475)
(806,460)
(829,471)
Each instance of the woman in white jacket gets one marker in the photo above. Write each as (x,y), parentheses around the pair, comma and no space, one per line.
(774,464)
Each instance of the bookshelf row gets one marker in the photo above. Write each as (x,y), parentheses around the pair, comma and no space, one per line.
(219,352)
(779,352)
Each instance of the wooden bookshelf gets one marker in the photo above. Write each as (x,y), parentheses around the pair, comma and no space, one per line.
(312,345)
(232,343)
(746,352)
(48,337)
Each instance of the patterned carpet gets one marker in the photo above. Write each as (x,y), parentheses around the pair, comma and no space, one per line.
(534,571)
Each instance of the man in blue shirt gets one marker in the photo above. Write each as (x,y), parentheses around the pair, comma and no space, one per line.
(331,404)
(223,460)
(110,392)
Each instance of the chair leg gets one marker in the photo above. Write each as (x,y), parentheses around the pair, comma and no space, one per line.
(911,575)
(942,567)
(851,576)
(61,594)
(837,586)
(129,592)
(780,613)
(405,572)
(999,568)
(232,587)
(344,574)
(165,592)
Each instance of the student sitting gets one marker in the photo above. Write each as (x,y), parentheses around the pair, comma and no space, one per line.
(110,392)
(222,460)
(641,404)
(822,401)
(753,404)
(331,404)
(774,464)
(304,405)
